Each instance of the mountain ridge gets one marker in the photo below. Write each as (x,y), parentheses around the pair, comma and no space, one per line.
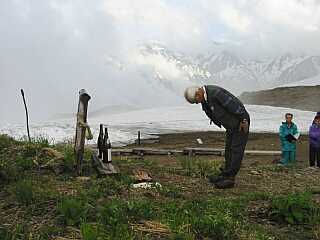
(237,74)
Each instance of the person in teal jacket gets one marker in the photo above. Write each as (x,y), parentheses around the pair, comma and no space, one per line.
(289,135)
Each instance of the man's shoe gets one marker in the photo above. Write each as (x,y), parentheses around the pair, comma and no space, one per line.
(216,178)
(228,182)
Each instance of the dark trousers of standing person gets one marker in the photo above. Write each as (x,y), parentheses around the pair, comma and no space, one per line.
(236,142)
(314,156)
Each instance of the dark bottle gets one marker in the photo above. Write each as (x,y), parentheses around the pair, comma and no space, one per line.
(100,141)
(105,145)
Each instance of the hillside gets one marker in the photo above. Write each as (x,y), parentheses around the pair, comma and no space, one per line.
(298,97)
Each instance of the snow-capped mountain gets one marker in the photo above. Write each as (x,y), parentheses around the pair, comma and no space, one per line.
(308,67)
(176,70)
(182,65)
(228,70)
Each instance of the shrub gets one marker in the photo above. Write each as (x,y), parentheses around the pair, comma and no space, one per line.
(213,219)
(114,212)
(295,208)
(6,142)
(24,163)
(8,170)
(216,225)
(104,187)
(21,232)
(140,209)
(29,150)
(24,192)
(182,236)
(121,232)
(108,186)
(170,191)
(68,156)
(89,231)
(49,232)
(114,217)
(194,166)
(187,164)
(5,234)
(72,210)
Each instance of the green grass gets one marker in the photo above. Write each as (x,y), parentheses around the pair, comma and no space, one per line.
(5,233)
(197,167)
(43,205)
(72,210)
(295,208)
(23,192)
(170,191)
(89,231)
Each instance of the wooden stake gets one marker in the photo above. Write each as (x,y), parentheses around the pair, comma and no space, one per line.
(84,98)
(139,138)
(27,115)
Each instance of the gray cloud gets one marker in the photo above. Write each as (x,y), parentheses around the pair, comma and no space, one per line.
(54,48)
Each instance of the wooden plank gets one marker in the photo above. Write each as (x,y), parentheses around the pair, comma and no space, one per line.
(147,141)
(203,151)
(262,153)
(155,151)
(188,151)
(122,151)
(217,151)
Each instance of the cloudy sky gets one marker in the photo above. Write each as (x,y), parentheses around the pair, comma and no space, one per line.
(53,48)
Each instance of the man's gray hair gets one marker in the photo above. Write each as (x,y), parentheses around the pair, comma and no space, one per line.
(190,94)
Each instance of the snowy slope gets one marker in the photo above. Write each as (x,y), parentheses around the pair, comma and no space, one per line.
(124,126)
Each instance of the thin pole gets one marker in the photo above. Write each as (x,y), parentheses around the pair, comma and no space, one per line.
(27,116)
(139,138)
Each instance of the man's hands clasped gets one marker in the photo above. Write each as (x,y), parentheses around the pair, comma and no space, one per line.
(244,126)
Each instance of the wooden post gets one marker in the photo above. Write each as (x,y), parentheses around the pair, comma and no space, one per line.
(84,98)
(27,115)
(139,138)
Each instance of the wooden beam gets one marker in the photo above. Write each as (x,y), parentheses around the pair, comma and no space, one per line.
(155,151)
(203,151)
(188,151)
(147,141)
(262,153)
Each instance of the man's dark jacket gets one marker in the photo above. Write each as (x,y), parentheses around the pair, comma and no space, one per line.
(223,108)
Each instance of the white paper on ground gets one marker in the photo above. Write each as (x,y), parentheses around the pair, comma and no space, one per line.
(147,185)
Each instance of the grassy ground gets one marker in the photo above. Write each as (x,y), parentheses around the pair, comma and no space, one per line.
(268,202)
